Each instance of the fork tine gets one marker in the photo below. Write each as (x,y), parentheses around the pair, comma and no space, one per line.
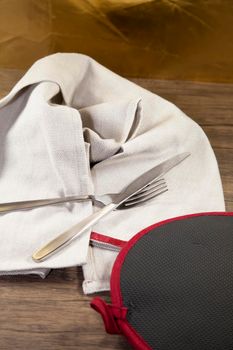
(146,198)
(152,184)
(150,189)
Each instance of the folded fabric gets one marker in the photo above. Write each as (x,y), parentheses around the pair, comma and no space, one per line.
(71,126)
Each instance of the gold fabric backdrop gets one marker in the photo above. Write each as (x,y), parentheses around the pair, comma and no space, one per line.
(168,39)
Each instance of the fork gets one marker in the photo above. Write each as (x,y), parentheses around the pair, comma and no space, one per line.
(154,189)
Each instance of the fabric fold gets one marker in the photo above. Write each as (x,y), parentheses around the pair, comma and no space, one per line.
(43,156)
(107,126)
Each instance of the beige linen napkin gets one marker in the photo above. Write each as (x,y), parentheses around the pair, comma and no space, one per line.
(71,126)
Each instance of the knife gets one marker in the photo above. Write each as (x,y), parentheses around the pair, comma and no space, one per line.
(134,187)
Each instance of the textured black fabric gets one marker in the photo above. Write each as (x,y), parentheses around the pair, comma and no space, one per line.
(178,284)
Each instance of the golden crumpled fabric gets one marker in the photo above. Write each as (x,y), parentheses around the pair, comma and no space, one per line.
(167,39)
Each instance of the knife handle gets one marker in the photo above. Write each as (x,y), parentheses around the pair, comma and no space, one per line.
(66,237)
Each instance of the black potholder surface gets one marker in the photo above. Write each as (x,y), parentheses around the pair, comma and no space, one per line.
(177,282)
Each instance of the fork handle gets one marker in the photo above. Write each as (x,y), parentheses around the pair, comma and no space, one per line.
(11,206)
(66,237)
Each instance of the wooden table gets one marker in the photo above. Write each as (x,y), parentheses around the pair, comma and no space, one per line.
(53,313)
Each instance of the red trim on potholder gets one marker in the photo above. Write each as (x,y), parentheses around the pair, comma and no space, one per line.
(109,314)
(114,319)
(122,325)
(106,239)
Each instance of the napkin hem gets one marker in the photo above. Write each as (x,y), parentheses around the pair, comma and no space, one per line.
(42,273)
(90,287)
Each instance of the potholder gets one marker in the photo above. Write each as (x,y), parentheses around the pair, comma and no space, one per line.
(172,285)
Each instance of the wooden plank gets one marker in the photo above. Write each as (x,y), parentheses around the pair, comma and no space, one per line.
(50,314)
(53,313)
(220,136)
(206,103)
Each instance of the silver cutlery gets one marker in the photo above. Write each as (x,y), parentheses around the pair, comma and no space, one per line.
(105,246)
(152,190)
(131,190)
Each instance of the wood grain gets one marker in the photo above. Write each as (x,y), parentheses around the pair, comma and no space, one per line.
(53,313)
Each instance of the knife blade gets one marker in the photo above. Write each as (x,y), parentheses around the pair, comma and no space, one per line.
(137,185)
